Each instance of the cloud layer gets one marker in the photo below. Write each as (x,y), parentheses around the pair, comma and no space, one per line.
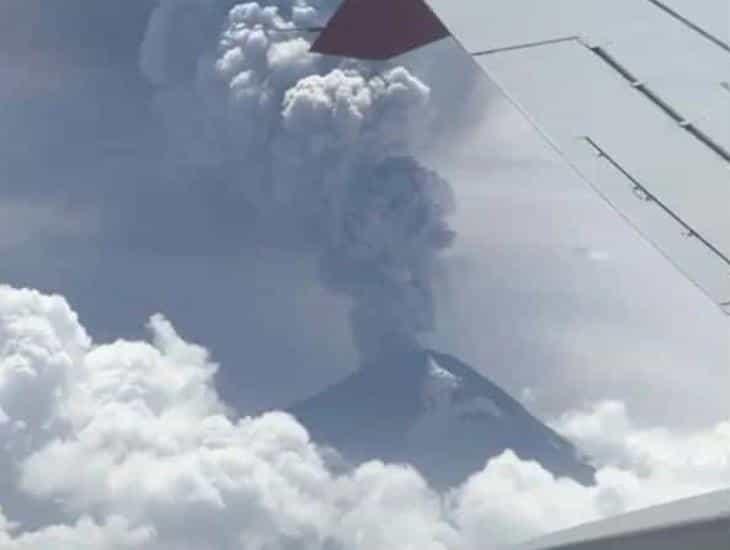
(130,446)
(127,444)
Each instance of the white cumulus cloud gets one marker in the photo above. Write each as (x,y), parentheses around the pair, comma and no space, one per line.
(129,442)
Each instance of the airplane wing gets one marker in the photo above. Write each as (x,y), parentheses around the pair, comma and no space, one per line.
(633,94)
(698,523)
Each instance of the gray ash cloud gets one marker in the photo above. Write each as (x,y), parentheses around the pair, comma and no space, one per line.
(320,150)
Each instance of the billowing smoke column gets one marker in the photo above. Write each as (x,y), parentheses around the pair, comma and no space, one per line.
(315,143)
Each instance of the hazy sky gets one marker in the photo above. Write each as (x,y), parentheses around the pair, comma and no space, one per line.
(133,156)
(545,288)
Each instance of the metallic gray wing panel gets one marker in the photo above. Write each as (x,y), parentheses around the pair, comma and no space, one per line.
(698,523)
(645,80)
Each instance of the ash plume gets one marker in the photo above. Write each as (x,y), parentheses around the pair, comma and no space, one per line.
(317,144)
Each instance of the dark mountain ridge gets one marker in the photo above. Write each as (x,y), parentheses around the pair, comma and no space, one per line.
(435,412)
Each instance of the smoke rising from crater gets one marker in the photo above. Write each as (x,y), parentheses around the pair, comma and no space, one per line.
(319,145)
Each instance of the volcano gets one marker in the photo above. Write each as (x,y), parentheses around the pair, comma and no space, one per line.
(432,411)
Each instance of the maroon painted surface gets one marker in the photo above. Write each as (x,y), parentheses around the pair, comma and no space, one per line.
(379,29)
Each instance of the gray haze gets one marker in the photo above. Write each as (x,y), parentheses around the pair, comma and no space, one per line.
(543,288)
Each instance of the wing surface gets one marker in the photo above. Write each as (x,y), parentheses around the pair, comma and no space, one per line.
(633,94)
(700,523)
